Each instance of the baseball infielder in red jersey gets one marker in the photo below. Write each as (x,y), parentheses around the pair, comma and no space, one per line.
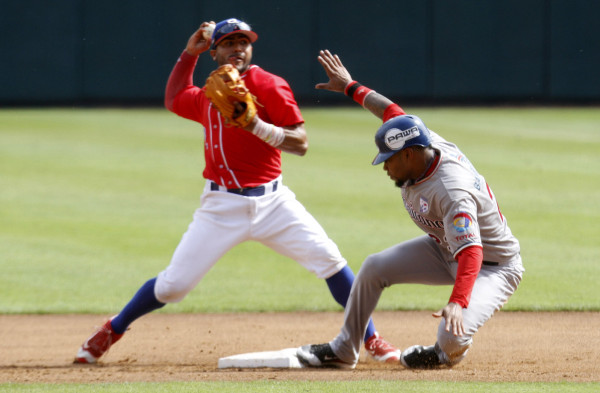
(244,197)
(467,241)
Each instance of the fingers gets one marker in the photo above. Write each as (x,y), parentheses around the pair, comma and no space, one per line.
(339,77)
(325,61)
(326,58)
(332,60)
(453,323)
(449,325)
(326,55)
(329,60)
(457,328)
(338,62)
(450,322)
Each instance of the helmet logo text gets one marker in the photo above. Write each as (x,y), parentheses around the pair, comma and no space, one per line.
(396,138)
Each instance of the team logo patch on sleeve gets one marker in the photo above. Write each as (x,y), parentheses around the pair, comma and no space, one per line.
(465,228)
(462,222)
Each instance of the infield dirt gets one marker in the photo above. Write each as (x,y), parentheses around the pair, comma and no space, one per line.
(512,346)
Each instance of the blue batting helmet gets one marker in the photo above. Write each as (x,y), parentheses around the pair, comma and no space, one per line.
(231,26)
(399,133)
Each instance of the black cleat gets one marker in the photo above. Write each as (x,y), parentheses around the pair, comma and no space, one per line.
(421,357)
(321,355)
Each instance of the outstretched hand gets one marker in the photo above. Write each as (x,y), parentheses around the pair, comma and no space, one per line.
(339,77)
(197,43)
(454,318)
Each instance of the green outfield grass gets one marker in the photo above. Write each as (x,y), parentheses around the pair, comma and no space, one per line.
(93,203)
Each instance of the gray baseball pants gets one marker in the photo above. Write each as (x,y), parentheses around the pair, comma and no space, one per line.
(420,261)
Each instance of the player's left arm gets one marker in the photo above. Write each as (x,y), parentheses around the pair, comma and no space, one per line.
(295,140)
(279,121)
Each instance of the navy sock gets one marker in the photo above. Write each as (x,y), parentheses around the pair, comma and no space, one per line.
(340,285)
(143,302)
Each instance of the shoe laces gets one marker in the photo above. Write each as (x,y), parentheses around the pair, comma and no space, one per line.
(377,342)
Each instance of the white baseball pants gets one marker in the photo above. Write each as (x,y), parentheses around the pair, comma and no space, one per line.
(224,220)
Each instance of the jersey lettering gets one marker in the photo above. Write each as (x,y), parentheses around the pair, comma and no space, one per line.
(422,220)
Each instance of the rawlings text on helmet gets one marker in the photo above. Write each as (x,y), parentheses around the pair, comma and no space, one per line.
(396,138)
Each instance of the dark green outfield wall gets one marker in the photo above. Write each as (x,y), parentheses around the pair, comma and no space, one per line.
(433,51)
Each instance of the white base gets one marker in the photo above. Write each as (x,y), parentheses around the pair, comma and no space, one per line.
(285,358)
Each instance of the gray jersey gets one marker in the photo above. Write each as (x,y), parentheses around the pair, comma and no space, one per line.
(455,206)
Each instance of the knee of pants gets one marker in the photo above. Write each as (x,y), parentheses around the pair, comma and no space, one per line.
(371,271)
(452,349)
(169,291)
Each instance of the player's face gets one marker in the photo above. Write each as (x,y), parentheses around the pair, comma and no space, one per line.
(398,167)
(235,50)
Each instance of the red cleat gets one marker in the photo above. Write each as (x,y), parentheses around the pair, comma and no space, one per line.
(97,345)
(381,350)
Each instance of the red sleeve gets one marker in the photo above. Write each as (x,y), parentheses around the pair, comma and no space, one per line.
(181,77)
(469,265)
(277,103)
(392,111)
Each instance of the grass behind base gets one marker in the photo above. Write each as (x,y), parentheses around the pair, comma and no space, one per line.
(93,202)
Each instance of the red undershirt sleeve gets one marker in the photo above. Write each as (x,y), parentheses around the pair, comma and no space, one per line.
(181,77)
(392,111)
(469,265)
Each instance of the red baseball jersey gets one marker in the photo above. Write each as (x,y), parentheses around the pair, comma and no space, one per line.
(234,157)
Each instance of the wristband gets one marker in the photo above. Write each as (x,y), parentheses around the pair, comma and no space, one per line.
(351,88)
(269,133)
(357,92)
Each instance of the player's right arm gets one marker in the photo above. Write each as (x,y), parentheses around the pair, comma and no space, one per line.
(340,81)
(181,77)
(197,43)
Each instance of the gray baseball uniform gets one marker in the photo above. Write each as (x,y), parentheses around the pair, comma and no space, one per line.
(456,208)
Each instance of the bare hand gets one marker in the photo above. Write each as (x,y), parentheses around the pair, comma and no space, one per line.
(454,318)
(197,44)
(339,77)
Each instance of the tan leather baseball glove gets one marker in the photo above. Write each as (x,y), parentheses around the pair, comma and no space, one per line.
(229,94)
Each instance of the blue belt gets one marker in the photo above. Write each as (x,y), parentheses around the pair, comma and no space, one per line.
(246,191)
